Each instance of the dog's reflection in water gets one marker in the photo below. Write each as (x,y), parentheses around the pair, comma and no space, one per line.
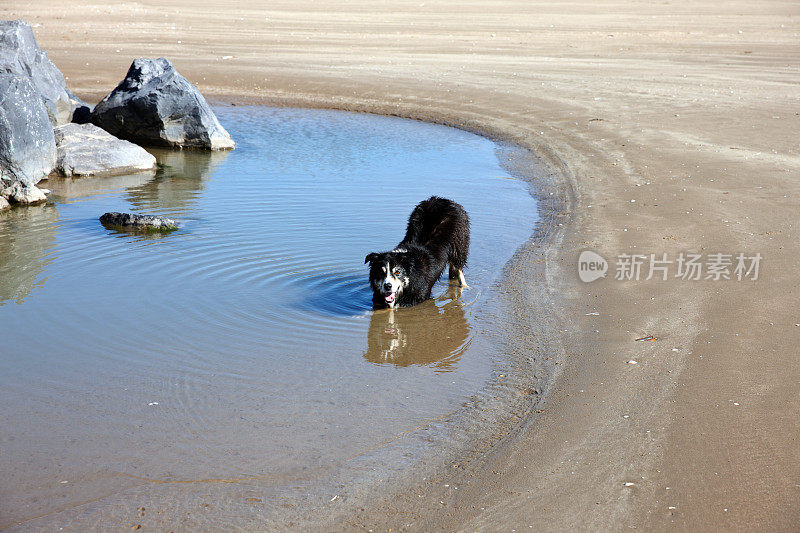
(429,334)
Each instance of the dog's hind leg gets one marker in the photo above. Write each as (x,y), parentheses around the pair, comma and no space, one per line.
(462,281)
(457,273)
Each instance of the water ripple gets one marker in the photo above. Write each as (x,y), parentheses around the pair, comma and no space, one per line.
(244,342)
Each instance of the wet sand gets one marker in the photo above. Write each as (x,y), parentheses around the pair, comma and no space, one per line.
(668,128)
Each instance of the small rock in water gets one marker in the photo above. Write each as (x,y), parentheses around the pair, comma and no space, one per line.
(130,221)
(23,194)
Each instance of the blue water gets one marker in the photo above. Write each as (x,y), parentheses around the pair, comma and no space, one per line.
(242,344)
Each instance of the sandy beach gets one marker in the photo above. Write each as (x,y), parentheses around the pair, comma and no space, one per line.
(669,128)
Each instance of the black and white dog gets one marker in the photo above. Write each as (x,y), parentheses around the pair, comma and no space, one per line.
(437,236)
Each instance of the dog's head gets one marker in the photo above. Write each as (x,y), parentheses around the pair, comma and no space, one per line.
(389,274)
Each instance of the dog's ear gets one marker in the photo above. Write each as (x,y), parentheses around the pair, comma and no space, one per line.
(370,257)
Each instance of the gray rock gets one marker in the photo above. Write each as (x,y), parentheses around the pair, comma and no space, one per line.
(4,203)
(19,54)
(81,111)
(23,194)
(86,150)
(155,105)
(27,143)
(133,222)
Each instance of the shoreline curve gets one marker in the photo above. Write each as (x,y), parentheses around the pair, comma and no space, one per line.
(672,123)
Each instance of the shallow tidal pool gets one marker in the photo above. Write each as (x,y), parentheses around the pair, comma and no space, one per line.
(242,346)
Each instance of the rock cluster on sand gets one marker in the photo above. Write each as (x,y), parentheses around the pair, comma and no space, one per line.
(86,150)
(155,105)
(134,222)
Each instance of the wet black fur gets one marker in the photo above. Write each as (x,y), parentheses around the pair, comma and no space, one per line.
(437,235)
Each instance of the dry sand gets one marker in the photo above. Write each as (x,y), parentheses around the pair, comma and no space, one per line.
(672,125)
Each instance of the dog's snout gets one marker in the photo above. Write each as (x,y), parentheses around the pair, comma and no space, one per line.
(387,287)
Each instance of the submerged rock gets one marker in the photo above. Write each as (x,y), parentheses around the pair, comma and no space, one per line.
(133,222)
(27,143)
(155,105)
(86,150)
(21,55)
(23,194)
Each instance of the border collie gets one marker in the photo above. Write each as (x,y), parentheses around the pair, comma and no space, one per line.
(437,236)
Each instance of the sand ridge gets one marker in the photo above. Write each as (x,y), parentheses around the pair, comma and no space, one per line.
(674,124)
